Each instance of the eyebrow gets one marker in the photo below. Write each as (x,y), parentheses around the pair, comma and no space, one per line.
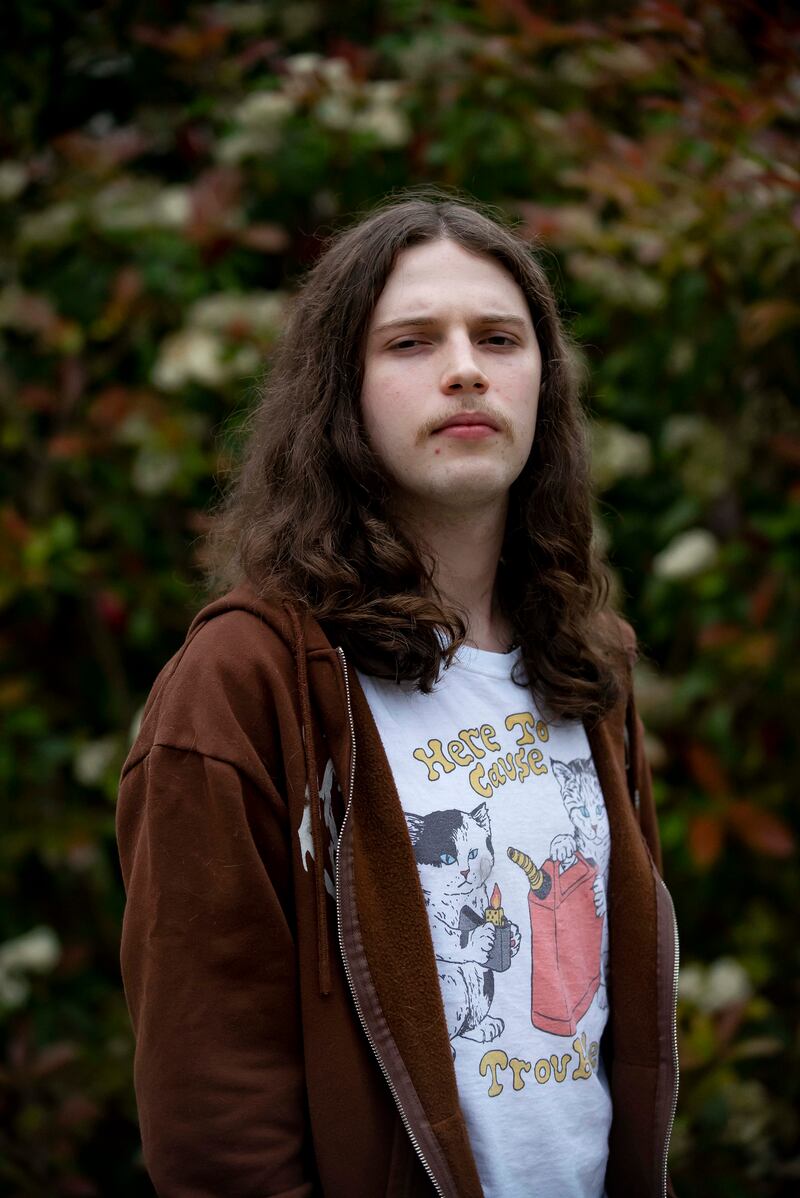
(419,322)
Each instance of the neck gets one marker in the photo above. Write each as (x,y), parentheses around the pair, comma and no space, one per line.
(466,548)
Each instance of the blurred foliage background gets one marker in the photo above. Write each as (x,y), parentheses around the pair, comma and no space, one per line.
(167,171)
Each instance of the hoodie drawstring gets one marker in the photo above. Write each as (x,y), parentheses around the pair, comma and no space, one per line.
(312,785)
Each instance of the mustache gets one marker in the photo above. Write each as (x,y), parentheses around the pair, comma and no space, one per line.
(497,418)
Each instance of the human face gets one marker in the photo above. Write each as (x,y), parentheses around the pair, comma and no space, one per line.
(451,335)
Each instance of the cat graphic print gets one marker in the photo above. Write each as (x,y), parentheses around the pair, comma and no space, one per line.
(567,906)
(455,858)
(566,900)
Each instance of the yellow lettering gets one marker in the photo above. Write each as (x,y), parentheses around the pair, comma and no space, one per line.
(469,736)
(542,1071)
(521,764)
(542,731)
(495,776)
(594,1048)
(524,721)
(476,776)
(493,1060)
(519,1067)
(583,1068)
(535,762)
(460,755)
(508,766)
(487,736)
(433,758)
(559,1070)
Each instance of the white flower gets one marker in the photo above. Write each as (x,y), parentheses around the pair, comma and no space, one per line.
(259,311)
(51,226)
(36,951)
(688,554)
(245,18)
(302,64)
(154,469)
(618,452)
(198,355)
(384,92)
(248,143)
(189,355)
(714,987)
(682,430)
(13,179)
(622,58)
(334,112)
(127,205)
(264,110)
(336,73)
(13,991)
(690,983)
(388,124)
(171,208)
(627,286)
(93,759)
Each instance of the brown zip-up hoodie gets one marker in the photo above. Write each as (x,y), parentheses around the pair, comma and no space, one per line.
(276,954)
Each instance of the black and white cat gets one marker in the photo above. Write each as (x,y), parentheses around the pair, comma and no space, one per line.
(455,857)
(591,835)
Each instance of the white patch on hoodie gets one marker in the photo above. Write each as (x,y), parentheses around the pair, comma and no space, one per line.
(304,831)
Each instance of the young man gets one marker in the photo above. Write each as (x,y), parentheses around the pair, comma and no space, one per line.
(395,924)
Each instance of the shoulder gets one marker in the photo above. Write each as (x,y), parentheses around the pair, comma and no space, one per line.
(221,693)
(621,631)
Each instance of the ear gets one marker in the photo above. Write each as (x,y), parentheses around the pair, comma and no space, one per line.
(481,816)
(561,771)
(415,825)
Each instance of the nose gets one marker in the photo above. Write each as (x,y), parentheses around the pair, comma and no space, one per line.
(465,872)
(463,375)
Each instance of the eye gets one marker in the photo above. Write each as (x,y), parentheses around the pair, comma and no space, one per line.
(501,337)
(446,858)
(406,341)
(472,853)
(584,811)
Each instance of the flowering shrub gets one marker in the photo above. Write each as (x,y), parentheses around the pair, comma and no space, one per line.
(162,186)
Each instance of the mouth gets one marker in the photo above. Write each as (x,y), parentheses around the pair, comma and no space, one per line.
(468,425)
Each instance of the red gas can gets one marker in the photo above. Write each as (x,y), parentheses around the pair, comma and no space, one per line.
(566,934)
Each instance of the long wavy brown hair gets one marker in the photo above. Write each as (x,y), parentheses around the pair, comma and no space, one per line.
(307,520)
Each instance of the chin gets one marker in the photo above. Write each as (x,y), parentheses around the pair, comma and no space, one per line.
(466,492)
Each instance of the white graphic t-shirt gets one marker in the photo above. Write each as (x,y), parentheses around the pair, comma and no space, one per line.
(512,843)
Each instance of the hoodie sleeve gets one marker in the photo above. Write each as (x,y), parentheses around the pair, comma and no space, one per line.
(209,970)
(641,773)
(643,777)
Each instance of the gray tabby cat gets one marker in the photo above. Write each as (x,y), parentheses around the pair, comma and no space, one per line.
(455,857)
(591,835)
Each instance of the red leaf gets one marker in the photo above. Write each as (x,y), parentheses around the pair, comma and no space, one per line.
(761,830)
(718,635)
(762,598)
(705,839)
(54,1057)
(67,445)
(17,528)
(267,239)
(707,770)
(786,446)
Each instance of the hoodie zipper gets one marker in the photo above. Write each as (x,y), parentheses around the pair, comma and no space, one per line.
(348,974)
(675,1062)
